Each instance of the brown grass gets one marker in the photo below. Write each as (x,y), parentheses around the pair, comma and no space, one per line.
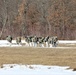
(44,56)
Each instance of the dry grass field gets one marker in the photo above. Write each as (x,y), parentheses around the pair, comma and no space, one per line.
(44,56)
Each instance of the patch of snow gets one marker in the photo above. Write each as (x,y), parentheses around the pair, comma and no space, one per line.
(15,69)
(5,43)
(67,41)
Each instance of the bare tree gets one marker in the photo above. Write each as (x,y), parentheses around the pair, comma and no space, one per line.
(4,17)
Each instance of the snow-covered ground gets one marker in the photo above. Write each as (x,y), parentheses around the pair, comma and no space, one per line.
(14,69)
(5,43)
(67,41)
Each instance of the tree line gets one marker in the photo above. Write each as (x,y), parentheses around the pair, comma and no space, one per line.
(38,17)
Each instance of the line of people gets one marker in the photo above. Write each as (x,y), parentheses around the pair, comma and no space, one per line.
(34,41)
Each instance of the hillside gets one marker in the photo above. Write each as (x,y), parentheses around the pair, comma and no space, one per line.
(38,17)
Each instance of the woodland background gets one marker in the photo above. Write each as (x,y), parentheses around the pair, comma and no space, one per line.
(38,17)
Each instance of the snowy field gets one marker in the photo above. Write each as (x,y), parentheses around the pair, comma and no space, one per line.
(5,43)
(14,69)
(67,41)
